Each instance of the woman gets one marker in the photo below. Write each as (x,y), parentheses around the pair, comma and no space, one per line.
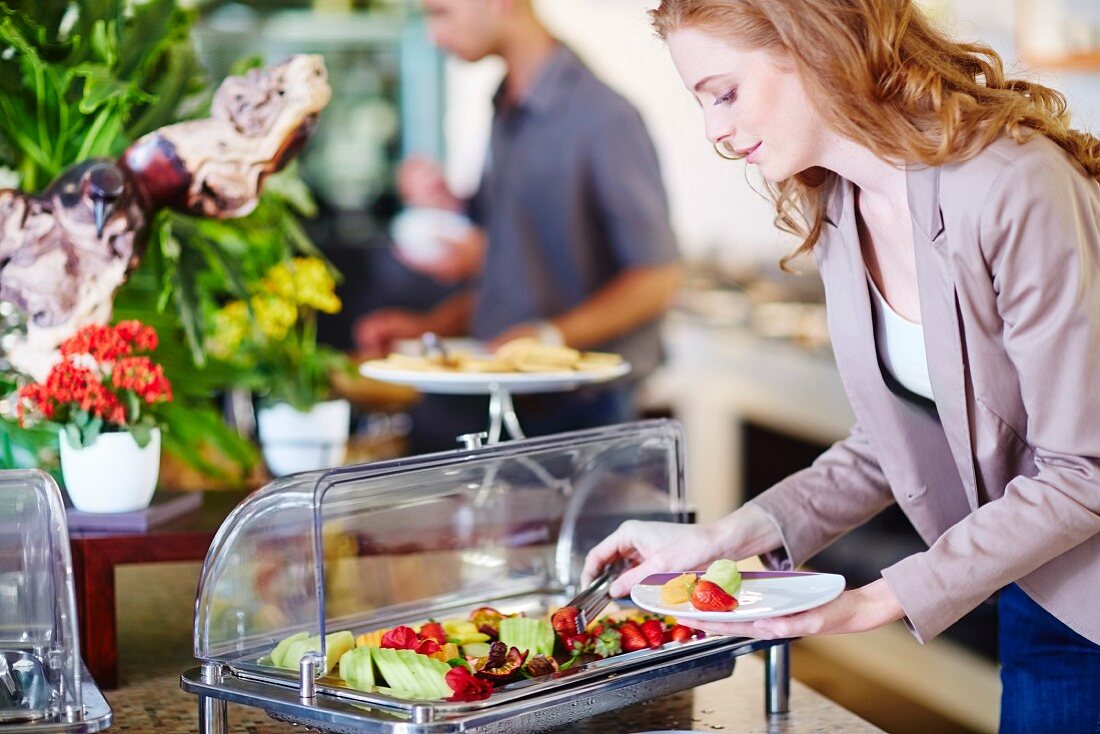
(955,219)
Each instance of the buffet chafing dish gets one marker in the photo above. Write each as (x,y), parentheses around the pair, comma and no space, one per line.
(44,686)
(374,546)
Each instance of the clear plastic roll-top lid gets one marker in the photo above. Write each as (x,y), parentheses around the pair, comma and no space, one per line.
(353,547)
(38,622)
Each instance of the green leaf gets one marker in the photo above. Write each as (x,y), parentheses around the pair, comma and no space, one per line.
(74,436)
(92,430)
(187,303)
(142,433)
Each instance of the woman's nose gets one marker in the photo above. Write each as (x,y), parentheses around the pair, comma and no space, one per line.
(718,129)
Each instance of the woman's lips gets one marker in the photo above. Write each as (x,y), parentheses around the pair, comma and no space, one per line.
(747,153)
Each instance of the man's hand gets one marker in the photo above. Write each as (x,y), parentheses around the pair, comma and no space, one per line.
(421,182)
(858,610)
(376,332)
(462,261)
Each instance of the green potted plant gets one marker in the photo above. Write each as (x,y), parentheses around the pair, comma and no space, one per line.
(83,80)
(272,338)
(102,398)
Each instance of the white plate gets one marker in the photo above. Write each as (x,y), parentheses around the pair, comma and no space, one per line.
(763,594)
(482,383)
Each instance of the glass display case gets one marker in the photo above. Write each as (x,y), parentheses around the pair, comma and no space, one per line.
(358,550)
(43,684)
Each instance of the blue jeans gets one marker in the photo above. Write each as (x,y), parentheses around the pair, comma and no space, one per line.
(1050,674)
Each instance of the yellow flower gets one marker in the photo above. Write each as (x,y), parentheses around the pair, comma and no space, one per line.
(279,281)
(274,316)
(306,281)
(230,329)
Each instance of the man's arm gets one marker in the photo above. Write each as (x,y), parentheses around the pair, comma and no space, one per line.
(632,299)
(376,332)
(452,316)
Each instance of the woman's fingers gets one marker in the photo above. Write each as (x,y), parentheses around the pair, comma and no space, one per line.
(626,580)
(615,546)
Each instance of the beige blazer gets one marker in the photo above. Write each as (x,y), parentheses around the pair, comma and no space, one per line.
(1004,484)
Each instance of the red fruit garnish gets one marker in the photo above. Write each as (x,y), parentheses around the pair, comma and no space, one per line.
(680,633)
(433,631)
(400,638)
(632,637)
(654,633)
(466,685)
(428,647)
(710,597)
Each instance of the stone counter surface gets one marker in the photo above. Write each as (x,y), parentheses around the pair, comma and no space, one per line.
(736,704)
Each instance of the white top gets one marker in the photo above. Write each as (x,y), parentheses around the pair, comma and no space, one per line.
(900,345)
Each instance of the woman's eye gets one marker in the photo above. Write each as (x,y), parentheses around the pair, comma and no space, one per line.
(726,98)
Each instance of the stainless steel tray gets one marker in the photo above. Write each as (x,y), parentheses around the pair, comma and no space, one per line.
(527,706)
(94,714)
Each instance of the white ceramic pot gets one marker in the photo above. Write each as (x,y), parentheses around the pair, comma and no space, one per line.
(294,441)
(114,474)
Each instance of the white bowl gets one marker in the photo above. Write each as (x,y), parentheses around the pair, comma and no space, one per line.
(421,233)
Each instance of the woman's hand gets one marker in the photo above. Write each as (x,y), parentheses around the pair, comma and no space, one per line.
(658,547)
(858,610)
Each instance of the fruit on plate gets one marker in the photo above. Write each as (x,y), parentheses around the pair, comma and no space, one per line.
(564,622)
(632,637)
(336,644)
(724,573)
(654,633)
(678,590)
(462,632)
(710,597)
(357,668)
(278,655)
(527,633)
(411,675)
(371,639)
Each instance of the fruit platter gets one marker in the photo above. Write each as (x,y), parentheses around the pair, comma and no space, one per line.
(433,594)
(464,659)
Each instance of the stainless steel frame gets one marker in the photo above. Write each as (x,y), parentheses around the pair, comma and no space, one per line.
(95,715)
(615,687)
(529,705)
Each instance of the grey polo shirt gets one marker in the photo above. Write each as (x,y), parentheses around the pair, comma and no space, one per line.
(571,197)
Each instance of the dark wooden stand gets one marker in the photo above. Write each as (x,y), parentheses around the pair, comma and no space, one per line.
(95,555)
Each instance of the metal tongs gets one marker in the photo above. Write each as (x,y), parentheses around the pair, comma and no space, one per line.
(592,599)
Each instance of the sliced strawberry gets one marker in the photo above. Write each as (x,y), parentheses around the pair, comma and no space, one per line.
(632,637)
(680,633)
(564,622)
(710,597)
(654,633)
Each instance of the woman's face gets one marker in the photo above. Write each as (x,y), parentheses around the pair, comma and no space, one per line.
(752,101)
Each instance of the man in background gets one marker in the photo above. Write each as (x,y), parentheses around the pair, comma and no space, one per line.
(572,244)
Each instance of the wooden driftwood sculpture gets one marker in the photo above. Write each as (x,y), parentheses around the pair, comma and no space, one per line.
(64,253)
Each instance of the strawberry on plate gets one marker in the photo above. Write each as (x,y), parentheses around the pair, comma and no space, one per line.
(708,596)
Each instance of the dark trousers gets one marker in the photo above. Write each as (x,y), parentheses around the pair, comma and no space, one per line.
(1049,673)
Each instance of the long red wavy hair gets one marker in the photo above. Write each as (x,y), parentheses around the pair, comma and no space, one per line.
(883,74)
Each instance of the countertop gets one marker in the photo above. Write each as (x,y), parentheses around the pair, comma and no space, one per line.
(735,704)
